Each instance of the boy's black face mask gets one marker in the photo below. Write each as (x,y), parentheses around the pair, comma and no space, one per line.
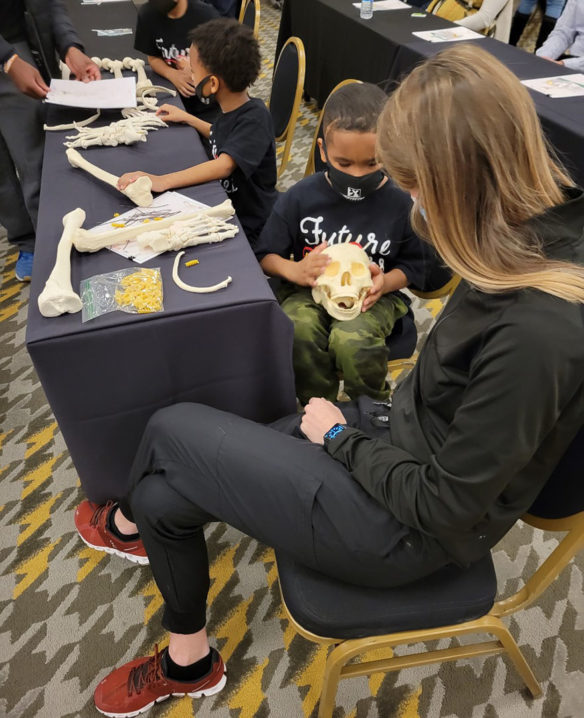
(162,6)
(199,91)
(350,187)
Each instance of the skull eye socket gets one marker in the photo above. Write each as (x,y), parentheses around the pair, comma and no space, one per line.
(332,269)
(357,269)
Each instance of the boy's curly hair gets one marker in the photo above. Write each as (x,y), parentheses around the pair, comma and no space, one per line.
(229,50)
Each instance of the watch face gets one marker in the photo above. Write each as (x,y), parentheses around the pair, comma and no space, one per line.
(334,431)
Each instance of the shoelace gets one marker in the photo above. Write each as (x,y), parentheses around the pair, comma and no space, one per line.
(99,511)
(148,672)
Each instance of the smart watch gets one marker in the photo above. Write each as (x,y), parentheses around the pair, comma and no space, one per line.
(333,431)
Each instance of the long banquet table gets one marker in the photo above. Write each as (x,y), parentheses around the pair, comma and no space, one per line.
(340,45)
(104,378)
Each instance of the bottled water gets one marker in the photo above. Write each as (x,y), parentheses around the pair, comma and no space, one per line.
(366,11)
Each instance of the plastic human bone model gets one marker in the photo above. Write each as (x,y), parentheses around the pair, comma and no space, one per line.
(144,86)
(58,296)
(342,287)
(133,128)
(140,191)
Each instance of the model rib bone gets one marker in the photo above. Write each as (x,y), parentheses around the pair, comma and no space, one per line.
(73,125)
(189,287)
(210,223)
(140,191)
(58,296)
(133,128)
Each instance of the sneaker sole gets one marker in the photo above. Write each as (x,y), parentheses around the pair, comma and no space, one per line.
(195,694)
(22,279)
(142,560)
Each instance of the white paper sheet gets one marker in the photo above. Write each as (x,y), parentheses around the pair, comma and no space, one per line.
(99,94)
(558,86)
(451,34)
(99,2)
(112,31)
(165,205)
(386,5)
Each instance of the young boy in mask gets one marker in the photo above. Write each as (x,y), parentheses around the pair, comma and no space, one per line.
(162,33)
(225,61)
(352,201)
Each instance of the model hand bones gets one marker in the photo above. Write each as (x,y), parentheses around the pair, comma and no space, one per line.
(140,191)
(58,296)
(343,285)
(133,128)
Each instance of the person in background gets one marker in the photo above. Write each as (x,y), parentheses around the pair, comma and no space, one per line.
(32,38)
(565,45)
(162,33)
(225,61)
(353,201)
(477,15)
(226,8)
(551,10)
(474,432)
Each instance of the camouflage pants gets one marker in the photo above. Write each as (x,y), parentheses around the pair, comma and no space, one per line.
(324,346)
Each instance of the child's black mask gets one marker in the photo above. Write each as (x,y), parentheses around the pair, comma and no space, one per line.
(350,187)
(199,91)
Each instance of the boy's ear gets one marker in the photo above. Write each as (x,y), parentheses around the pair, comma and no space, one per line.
(320,144)
(213,84)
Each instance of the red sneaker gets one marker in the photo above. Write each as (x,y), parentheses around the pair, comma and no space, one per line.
(91,524)
(139,684)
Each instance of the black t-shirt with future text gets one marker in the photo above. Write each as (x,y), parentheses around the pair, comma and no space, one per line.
(247,136)
(311,212)
(161,36)
(12,27)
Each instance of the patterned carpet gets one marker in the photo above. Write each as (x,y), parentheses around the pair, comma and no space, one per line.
(68,614)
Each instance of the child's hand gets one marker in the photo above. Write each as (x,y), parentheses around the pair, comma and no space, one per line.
(158,184)
(308,269)
(170,113)
(182,79)
(377,290)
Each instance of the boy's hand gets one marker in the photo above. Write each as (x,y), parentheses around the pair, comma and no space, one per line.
(170,113)
(158,184)
(182,79)
(377,290)
(307,270)
(320,415)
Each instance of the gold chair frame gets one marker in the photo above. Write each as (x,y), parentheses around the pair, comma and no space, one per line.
(288,133)
(310,164)
(338,662)
(256,22)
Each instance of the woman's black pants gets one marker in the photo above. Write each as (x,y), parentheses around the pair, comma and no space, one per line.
(196,464)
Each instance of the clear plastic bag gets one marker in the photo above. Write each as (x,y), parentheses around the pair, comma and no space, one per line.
(136,291)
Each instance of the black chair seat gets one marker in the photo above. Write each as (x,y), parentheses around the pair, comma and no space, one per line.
(334,609)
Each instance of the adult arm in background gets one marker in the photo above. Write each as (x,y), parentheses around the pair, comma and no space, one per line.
(562,37)
(515,395)
(26,77)
(485,17)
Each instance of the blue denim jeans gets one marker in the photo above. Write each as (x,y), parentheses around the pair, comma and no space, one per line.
(553,8)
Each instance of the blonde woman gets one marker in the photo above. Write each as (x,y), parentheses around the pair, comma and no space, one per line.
(361,492)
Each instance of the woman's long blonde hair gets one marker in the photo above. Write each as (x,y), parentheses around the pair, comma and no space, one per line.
(462,131)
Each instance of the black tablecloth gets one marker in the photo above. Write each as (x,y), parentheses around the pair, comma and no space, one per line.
(89,18)
(103,379)
(382,50)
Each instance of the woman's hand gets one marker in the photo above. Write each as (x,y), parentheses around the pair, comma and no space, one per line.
(158,184)
(309,268)
(378,288)
(320,415)
(170,113)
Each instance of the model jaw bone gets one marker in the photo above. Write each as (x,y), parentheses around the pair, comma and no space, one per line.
(343,285)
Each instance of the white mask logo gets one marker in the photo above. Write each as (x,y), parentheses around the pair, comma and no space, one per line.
(353,193)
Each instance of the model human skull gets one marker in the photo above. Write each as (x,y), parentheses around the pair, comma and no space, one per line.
(342,287)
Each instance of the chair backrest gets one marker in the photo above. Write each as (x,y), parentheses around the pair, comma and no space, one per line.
(315,164)
(286,94)
(250,15)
